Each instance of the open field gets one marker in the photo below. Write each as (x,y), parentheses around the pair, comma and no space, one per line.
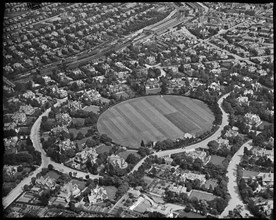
(125,154)
(111,191)
(216,160)
(202,195)
(154,118)
(103,148)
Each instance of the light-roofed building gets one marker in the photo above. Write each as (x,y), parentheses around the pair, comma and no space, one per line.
(117,161)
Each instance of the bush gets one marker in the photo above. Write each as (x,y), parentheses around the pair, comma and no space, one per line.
(19,169)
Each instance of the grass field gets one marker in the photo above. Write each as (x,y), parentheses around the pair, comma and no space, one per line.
(125,154)
(216,160)
(103,148)
(111,191)
(154,118)
(202,195)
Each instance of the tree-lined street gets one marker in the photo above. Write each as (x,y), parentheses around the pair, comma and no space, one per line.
(233,185)
(45,161)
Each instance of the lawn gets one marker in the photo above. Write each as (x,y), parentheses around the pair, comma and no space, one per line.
(202,195)
(78,121)
(263,124)
(75,131)
(91,108)
(103,148)
(125,154)
(81,184)
(154,118)
(80,142)
(111,191)
(148,180)
(216,160)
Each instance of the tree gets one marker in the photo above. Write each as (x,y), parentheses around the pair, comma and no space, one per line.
(164,88)
(50,167)
(80,135)
(91,143)
(213,146)
(142,144)
(44,119)
(220,204)
(131,158)
(33,179)
(188,207)
(143,151)
(189,187)
(156,215)
(104,138)
(26,187)
(198,164)
(44,171)
(19,169)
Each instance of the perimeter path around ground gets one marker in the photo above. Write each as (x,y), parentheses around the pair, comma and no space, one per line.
(214,136)
(233,185)
(45,161)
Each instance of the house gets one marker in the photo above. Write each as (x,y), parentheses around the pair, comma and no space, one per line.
(176,83)
(19,117)
(99,78)
(74,105)
(248,91)
(122,76)
(150,60)
(117,161)
(115,88)
(67,144)
(231,133)
(196,154)
(10,144)
(247,79)
(192,176)
(10,170)
(41,100)
(258,151)
(222,142)
(98,195)
(85,154)
(262,72)
(267,178)
(91,95)
(135,193)
(243,100)
(47,79)
(27,109)
(28,95)
(45,182)
(177,189)
(63,118)
(152,86)
(252,119)
(215,86)
(168,160)
(59,129)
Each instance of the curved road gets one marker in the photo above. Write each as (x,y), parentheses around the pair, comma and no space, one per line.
(35,137)
(233,185)
(231,170)
(216,135)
